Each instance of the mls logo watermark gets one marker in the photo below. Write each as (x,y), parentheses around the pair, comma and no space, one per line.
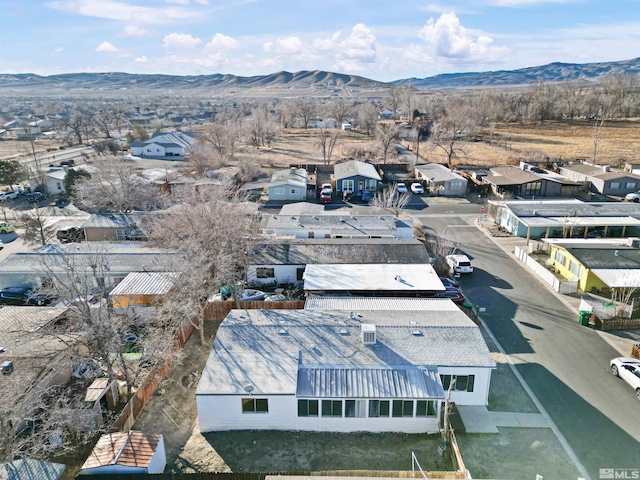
(619,473)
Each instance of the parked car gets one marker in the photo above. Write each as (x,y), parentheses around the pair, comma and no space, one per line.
(367,196)
(6,227)
(10,195)
(633,197)
(325,197)
(448,282)
(417,188)
(23,296)
(452,294)
(278,297)
(401,188)
(71,234)
(35,196)
(93,301)
(459,263)
(627,369)
(65,162)
(326,187)
(251,294)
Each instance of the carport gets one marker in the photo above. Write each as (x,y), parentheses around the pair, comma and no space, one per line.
(578,227)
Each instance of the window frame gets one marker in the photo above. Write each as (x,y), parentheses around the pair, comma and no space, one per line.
(333,406)
(256,405)
(307,402)
(260,272)
(379,408)
(355,408)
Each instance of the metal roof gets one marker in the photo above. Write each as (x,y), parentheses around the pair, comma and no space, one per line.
(354,304)
(580,221)
(265,348)
(510,176)
(302,208)
(438,173)
(28,469)
(305,251)
(415,277)
(618,278)
(289,176)
(28,319)
(368,382)
(555,208)
(131,449)
(112,220)
(145,283)
(354,225)
(353,168)
(607,258)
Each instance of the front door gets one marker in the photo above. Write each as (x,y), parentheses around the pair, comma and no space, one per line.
(360,185)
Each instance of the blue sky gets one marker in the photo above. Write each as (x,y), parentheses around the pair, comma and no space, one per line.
(379,39)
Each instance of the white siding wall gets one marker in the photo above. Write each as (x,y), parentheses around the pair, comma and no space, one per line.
(222,412)
(137,151)
(159,459)
(405,232)
(283,274)
(480,394)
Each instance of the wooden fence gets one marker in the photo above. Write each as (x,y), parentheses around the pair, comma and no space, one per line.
(616,323)
(216,311)
(136,403)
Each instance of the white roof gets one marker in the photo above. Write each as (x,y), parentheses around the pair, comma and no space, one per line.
(392,304)
(618,278)
(353,167)
(145,283)
(570,221)
(586,242)
(414,277)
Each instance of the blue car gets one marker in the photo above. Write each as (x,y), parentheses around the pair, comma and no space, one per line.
(366,196)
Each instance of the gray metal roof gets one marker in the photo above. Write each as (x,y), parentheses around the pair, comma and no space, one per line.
(574,209)
(510,176)
(349,277)
(289,176)
(354,304)
(28,469)
(353,168)
(368,382)
(28,319)
(118,258)
(302,208)
(338,224)
(112,220)
(145,283)
(618,278)
(304,251)
(438,173)
(609,258)
(265,348)
(583,169)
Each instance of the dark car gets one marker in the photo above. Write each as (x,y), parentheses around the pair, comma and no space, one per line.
(23,296)
(452,294)
(447,282)
(366,196)
(35,196)
(71,234)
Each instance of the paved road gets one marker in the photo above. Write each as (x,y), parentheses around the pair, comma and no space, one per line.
(565,364)
(54,158)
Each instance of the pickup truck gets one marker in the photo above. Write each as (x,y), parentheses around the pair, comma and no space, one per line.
(71,234)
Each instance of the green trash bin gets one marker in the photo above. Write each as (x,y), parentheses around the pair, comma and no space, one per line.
(584,317)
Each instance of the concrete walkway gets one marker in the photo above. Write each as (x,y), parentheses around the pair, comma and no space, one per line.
(477,419)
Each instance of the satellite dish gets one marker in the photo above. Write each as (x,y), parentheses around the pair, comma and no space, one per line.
(249,388)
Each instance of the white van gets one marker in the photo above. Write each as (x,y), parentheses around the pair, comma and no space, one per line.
(459,263)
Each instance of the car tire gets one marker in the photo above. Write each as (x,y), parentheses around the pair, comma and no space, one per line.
(638,393)
(636,200)
(614,370)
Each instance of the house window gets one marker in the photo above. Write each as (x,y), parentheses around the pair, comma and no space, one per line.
(630,185)
(311,234)
(347,185)
(300,274)
(59,185)
(464,383)
(149,150)
(575,268)
(455,185)
(558,257)
(121,235)
(355,408)
(378,408)
(157,149)
(307,408)
(295,191)
(426,408)
(255,405)
(402,408)
(279,191)
(332,408)
(265,273)
(614,185)
(533,188)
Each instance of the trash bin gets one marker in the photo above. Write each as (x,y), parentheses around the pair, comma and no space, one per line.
(584,317)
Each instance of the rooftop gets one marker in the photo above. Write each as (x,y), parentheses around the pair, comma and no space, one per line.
(302,208)
(510,176)
(438,173)
(353,167)
(130,449)
(354,304)
(408,278)
(584,168)
(28,469)
(265,348)
(607,257)
(145,283)
(347,225)
(289,176)
(571,208)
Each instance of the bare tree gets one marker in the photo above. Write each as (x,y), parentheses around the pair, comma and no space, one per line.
(103,121)
(367,117)
(452,127)
(326,139)
(212,232)
(340,109)
(543,101)
(389,199)
(37,231)
(386,135)
(394,99)
(596,137)
(572,94)
(408,99)
(304,109)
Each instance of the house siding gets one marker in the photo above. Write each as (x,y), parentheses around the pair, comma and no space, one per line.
(289,192)
(283,274)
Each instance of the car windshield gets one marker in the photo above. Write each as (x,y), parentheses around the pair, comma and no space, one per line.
(465,264)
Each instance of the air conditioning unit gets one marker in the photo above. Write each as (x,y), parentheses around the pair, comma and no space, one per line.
(633,242)
(368,334)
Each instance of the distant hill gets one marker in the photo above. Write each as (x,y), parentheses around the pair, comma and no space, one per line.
(315,82)
(553,72)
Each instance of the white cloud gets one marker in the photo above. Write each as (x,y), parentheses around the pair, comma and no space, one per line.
(181,41)
(285,46)
(133,31)
(58,50)
(350,53)
(519,3)
(202,2)
(142,59)
(121,11)
(222,42)
(180,2)
(106,47)
(448,38)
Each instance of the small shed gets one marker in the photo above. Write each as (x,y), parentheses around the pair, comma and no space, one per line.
(131,452)
(142,289)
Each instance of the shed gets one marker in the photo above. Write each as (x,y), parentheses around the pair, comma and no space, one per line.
(142,289)
(132,452)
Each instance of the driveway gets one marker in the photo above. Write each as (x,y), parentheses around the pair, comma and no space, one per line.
(566,365)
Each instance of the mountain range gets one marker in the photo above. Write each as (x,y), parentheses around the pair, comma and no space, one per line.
(314,82)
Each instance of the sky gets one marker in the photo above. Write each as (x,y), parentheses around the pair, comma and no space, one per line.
(379,39)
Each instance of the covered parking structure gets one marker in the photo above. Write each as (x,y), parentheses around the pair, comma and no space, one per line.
(579,227)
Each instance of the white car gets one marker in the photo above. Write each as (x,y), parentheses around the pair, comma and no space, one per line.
(627,369)
(417,188)
(459,263)
(633,197)
(401,188)
(9,195)
(326,188)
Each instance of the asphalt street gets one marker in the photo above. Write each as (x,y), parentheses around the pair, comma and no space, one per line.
(565,364)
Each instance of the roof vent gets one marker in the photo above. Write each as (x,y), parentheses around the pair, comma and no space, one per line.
(283,331)
(368,334)
(616,253)
(416,333)
(343,331)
